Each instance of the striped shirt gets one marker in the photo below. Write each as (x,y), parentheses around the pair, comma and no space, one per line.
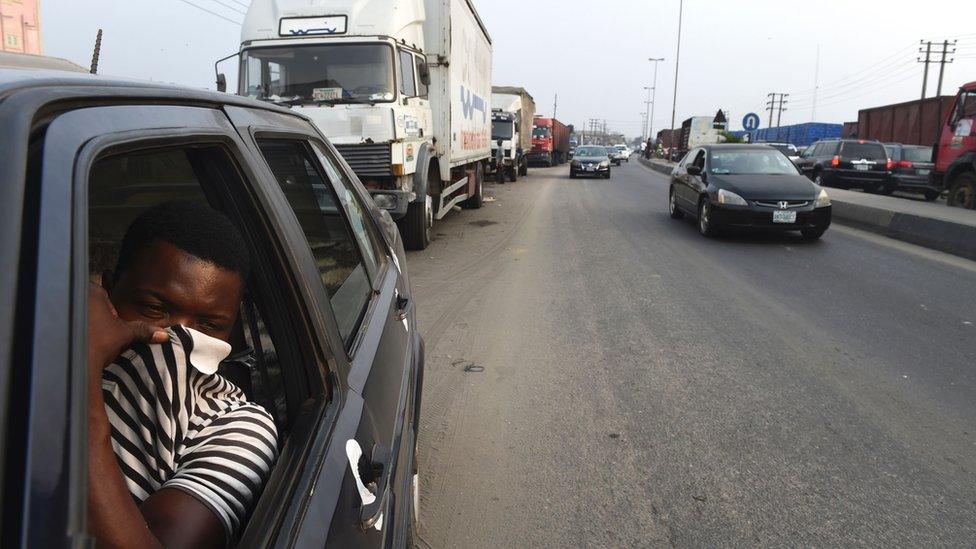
(176,423)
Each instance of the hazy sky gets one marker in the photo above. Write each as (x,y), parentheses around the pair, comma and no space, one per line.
(594,53)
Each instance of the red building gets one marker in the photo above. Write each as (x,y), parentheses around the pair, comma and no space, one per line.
(20,26)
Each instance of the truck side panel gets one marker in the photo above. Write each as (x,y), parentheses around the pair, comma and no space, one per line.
(460,96)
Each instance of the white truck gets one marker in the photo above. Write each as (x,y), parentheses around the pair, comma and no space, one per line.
(512,111)
(400,87)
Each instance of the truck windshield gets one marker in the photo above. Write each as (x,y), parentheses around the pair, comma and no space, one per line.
(540,131)
(333,73)
(502,130)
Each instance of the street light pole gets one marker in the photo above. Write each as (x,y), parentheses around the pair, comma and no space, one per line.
(677,60)
(647,105)
(650,119)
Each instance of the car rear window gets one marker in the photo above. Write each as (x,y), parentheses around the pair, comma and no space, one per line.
(917,154)
(867,151)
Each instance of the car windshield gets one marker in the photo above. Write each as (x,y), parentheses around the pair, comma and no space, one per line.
(325,73)
(591,151)
(502,130)
(917,154)
(750,162)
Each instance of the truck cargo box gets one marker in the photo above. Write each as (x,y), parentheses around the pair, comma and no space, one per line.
(527,110)
(459,53)
(916,122)
(801,135)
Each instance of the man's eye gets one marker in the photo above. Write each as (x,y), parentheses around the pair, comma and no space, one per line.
(152,310)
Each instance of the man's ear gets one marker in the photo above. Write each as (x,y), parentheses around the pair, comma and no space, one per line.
(107,281)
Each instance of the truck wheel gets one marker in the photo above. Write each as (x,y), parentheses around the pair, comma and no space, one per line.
(513,174)
(962,191)
(415,226)
(474,201)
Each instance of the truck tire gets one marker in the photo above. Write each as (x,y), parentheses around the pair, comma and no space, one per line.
(962,191)
(475,201)
(512,174)
(415,226)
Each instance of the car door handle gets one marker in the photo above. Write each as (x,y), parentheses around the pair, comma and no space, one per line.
(376,466)
(402,306)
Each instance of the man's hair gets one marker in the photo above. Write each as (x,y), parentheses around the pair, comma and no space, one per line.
(194,228)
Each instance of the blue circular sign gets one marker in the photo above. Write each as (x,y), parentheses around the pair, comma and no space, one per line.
(750,122)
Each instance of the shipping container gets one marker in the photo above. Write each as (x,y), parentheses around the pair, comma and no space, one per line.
(912,123)
(801,135)
(849,130)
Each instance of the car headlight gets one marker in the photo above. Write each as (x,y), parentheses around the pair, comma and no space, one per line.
(577,164)
(730,198)
(605,164)
(823,199)
(385,201)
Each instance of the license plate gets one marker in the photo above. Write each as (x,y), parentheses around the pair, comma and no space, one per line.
(924,172)
(861,167)
(784,217)
(590,168)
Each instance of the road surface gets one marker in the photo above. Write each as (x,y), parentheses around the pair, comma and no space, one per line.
(599,375)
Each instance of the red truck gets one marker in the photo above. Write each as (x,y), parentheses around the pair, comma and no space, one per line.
(955,155)
(550,142)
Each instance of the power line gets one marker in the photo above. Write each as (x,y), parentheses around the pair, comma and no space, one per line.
(230,7)
(872,84)
(866,72)
(215,14)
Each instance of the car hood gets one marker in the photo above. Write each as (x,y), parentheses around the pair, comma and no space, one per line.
(589,158)
(770,187)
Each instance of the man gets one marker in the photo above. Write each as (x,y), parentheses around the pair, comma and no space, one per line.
(177,456)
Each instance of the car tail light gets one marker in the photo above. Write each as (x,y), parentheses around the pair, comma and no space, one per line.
(889,165)
(904,164)
(835,161)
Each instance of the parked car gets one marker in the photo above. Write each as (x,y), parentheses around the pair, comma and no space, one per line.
(912,169)
(738,186)
(328,321)
(590,160)
(849,164)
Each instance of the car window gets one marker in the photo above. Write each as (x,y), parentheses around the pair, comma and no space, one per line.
(894,152)
(868,151)
(830,148)
(916,154)
(699,159)
(326,229)
(363,227)
(421,87)
(407,79)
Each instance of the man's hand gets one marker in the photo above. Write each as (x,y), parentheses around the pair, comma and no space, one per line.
(109,335)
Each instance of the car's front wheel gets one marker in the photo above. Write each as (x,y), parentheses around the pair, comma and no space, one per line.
(673,206)
(706,225)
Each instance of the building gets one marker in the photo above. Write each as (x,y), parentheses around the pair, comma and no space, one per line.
(20,26)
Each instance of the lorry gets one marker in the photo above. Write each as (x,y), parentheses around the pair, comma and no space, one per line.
(701,130)
(955,151)
(550,142)
(402,88)
(512,113)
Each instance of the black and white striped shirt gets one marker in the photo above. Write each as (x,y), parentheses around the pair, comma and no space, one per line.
(176,423)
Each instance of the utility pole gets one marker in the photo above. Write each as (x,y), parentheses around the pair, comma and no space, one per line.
(650,116)
(942,63)
(776,103)
(927,60)
(96,53)
(647,105)
(555,103)
(677,59)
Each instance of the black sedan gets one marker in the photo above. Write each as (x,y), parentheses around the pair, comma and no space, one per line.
(747,187)
(590,160)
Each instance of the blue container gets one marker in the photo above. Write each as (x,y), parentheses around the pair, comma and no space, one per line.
(801,135)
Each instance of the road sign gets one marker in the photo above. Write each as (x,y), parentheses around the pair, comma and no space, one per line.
(750,122)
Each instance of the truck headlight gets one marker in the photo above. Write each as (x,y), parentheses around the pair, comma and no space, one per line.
(823,199)
(730,198)
(385,201)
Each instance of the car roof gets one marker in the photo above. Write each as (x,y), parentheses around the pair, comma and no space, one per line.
(737,146)
(50,85)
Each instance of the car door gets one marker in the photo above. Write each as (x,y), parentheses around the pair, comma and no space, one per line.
(692,184)
(680,177)
(354,503)
(807,159)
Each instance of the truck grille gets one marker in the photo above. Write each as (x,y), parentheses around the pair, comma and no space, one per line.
(368,159)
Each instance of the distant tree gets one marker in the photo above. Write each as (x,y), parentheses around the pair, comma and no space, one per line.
(729,138)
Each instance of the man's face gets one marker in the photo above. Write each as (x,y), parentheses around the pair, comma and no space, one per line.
(165,286)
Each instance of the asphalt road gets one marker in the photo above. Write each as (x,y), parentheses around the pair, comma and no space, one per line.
(599,375)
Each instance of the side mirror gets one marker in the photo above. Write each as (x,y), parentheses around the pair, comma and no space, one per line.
(424,74)
(694,170)
(221,82)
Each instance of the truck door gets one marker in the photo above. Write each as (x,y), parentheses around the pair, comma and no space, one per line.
(959,132)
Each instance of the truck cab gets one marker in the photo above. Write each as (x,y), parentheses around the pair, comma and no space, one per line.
(955,162)
(399,86)
(506,153)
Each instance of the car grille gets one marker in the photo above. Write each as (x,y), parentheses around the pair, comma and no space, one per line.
(790,204)
(368,159)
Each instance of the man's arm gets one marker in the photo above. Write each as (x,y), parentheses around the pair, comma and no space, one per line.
(169,517)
